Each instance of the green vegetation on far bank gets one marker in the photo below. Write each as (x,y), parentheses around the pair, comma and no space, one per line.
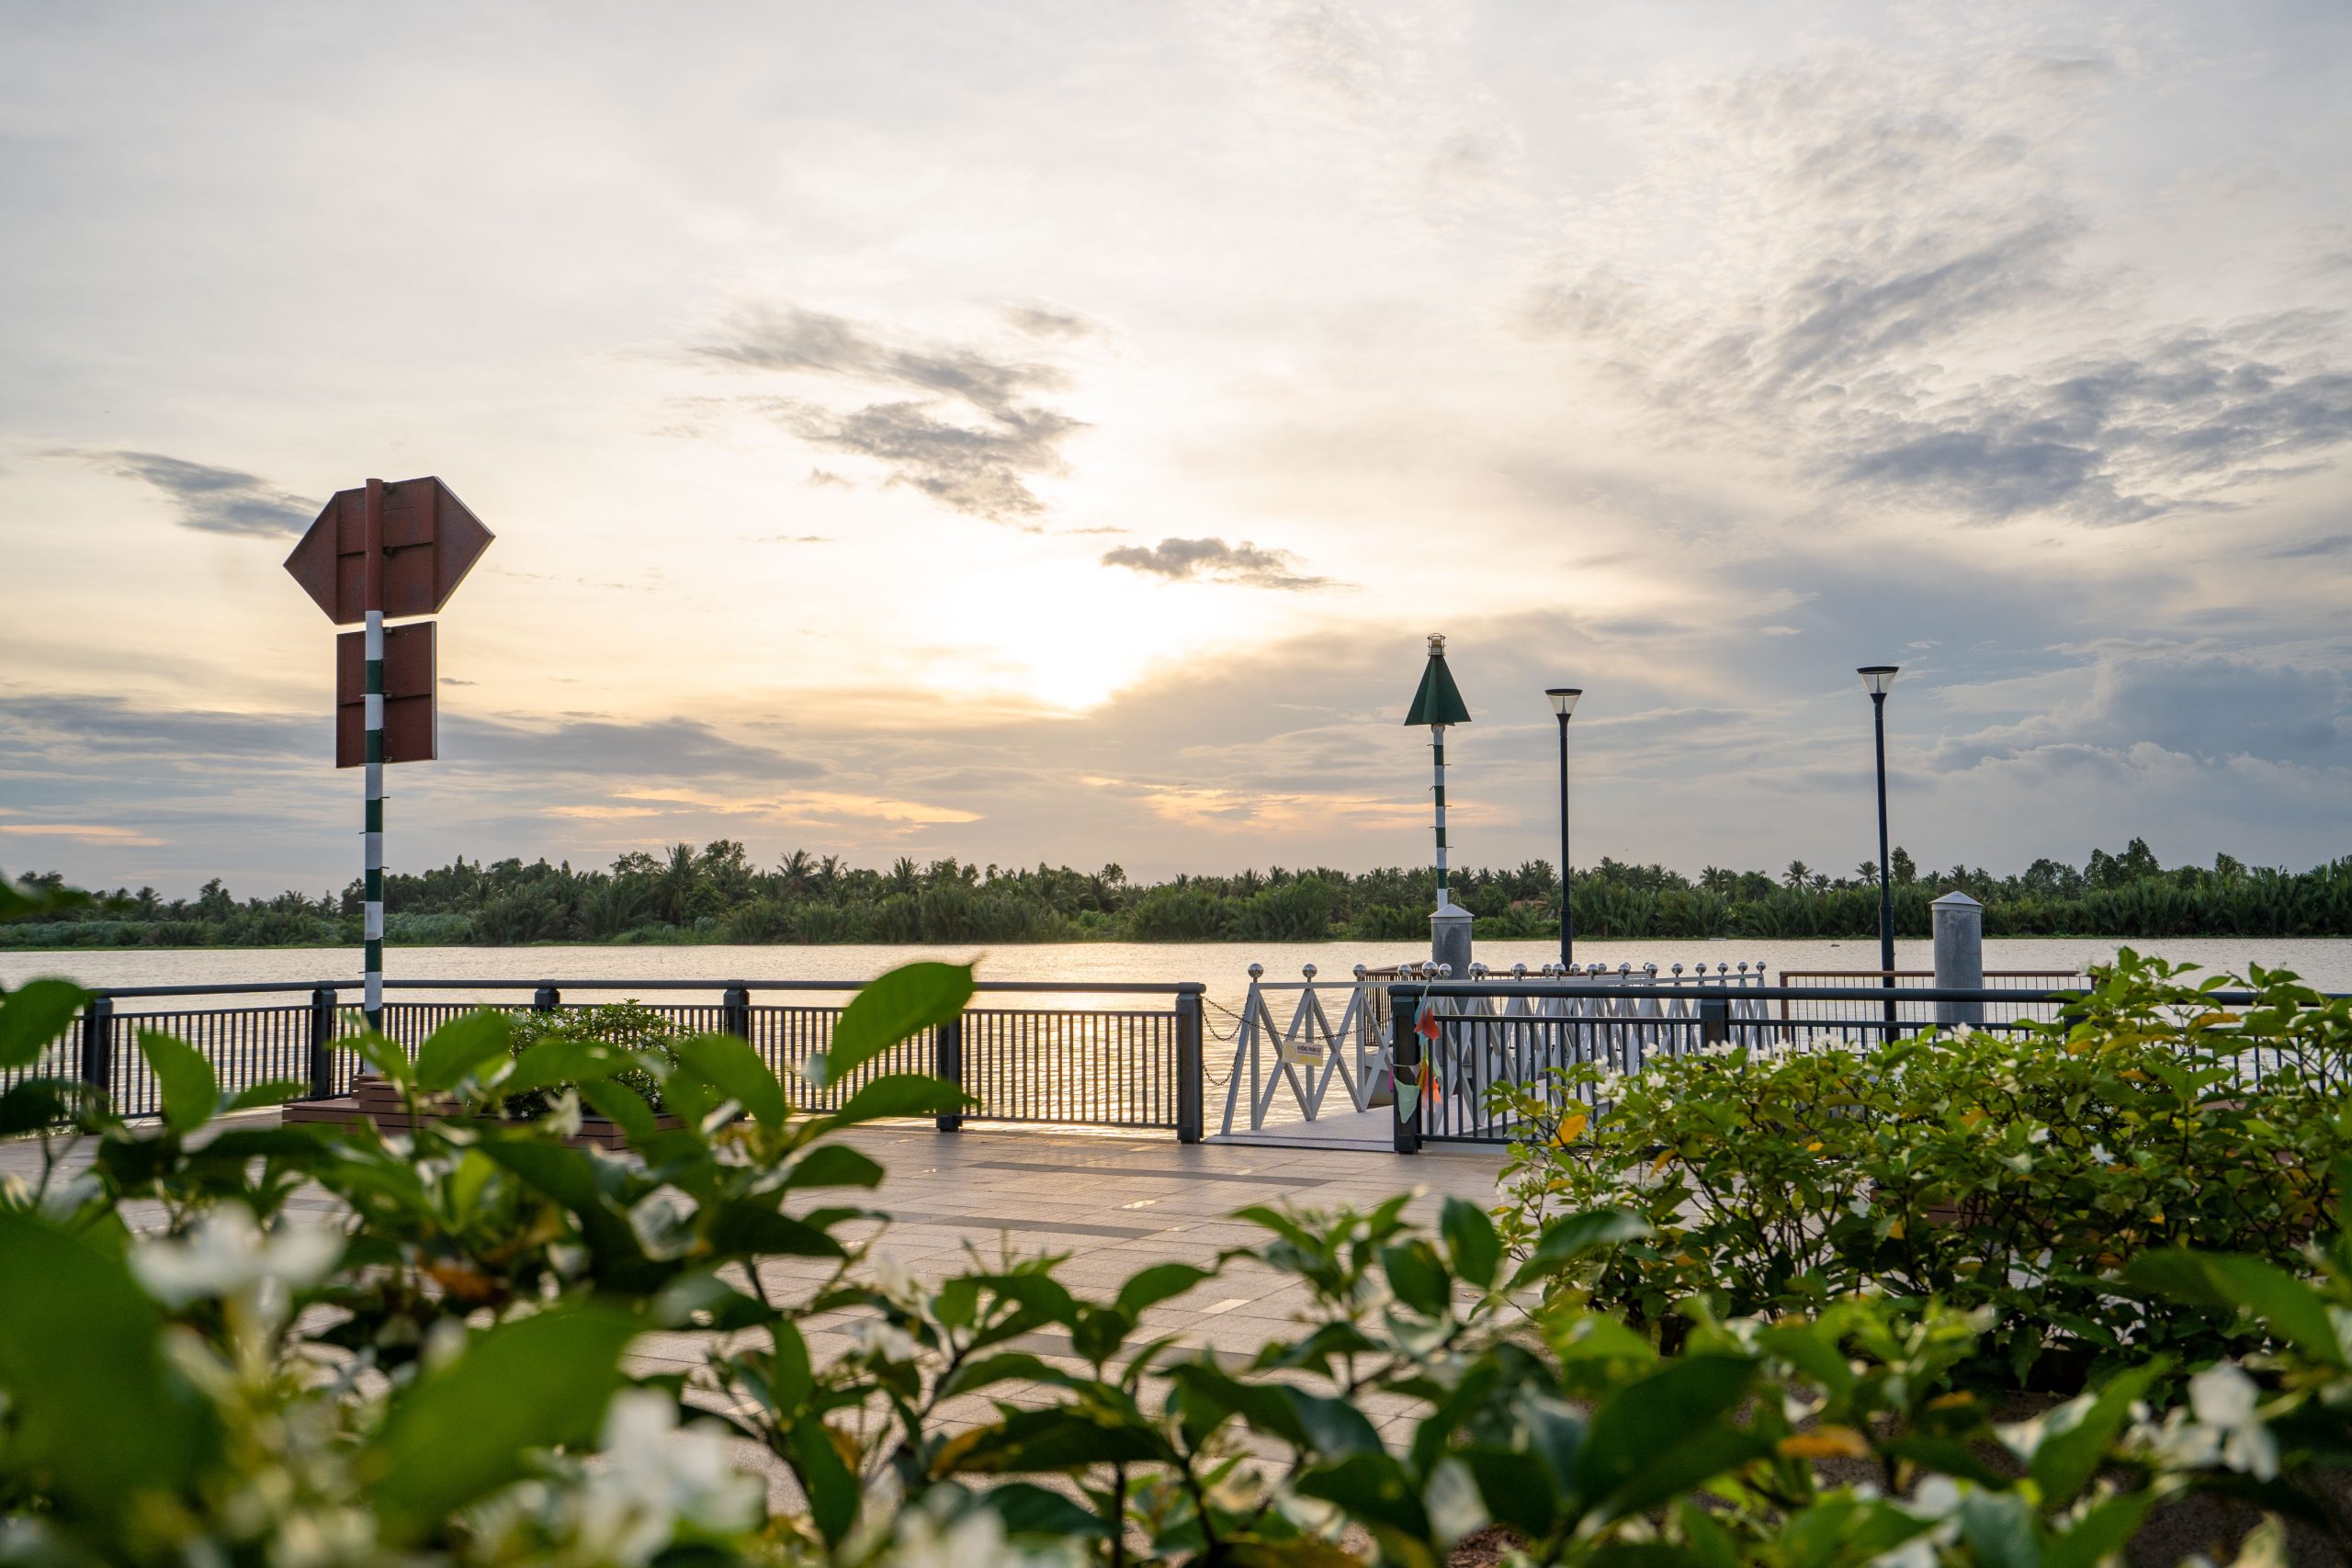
(716,894)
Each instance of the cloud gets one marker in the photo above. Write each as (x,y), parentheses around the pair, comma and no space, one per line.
(2118,437)
(81,833)
(980,464)
(1047,321)
(1213,561)
(210,499)
(1894,298)
(982,469)
(2332,544)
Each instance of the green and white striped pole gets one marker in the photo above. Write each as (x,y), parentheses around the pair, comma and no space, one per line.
(372,720)
(1437,786)
(1437,702)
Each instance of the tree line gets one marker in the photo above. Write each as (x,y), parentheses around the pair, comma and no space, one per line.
(716,894)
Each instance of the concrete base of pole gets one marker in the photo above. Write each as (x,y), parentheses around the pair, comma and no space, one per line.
(1960,955)
(1449,938)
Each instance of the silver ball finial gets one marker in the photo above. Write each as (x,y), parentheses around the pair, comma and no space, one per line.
(1361,973)
(1446,971)
(1519,971)
(1257,971)
(1308,971)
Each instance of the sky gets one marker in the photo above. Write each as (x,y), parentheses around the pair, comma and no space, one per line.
(1048,432)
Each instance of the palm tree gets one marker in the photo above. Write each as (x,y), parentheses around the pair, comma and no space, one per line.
(795,868)
(678,887)
(904,875)
(1797,875)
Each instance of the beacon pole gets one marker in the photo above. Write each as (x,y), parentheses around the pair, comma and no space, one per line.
(371,572)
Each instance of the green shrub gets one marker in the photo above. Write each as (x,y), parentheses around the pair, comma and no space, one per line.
(437,1375)
(627,1026)
(2020,1172)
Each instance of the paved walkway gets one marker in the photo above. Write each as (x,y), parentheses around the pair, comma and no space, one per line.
(1112,1204)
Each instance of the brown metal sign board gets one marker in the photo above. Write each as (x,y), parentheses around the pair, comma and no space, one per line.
(412,718)
(430,541)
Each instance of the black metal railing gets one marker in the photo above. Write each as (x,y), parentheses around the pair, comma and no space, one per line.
(1093,1066)
(1523,1033)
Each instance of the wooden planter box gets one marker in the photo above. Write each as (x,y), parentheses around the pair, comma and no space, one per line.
(373,1099)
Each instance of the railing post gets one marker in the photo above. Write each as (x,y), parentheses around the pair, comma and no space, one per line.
(1960,956)
(547,998)
(1405,1075)
(1188,1079)
(1715,1020)
(947,1064)
(322,1042)
(735,1012)
(97,1044)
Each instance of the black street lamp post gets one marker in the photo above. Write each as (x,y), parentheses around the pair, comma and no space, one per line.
(1564,703)
(1876,679)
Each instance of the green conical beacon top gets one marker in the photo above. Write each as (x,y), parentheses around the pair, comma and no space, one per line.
(1439,701)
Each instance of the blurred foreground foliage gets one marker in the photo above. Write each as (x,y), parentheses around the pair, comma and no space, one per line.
(201,1364)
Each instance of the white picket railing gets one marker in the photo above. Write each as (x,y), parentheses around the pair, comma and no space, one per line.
(1287,1039)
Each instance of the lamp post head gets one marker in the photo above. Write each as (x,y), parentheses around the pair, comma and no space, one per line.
(1563,699)
(1877,678)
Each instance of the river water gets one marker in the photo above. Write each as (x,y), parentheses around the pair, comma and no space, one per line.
(1223,967)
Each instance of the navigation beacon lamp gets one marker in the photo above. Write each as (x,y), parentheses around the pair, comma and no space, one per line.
(1437,704)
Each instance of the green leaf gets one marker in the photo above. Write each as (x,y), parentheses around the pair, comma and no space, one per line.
(901,1094)
(1418,1276)
(737,1072)
(1156,1284)
(33,1015)
(191,1090)
(1031,1510)
(744,1227)
(902,1003)
(1644,1419)
(1566,1240)
(553,1062)
(1517,1488)
(33,1104)
(2063,1462)
(463,1047)
(790,1381)
(92,1400)
(620,1105)
(2288,1308)
(1999,1528)
(2101,1534)
(834,1165)
(467,1427)
(1372,1489)
(276,1091)
(827,1480)
(1470,1241)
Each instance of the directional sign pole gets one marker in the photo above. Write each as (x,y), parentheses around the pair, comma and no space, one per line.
(398,551)
(372,830)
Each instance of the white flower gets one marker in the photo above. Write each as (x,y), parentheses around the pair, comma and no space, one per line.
(2099,1153)
(229,1256)
(2223,1398)
(976,1541)
(1454,1505)
(896,1280)
(662,1222)
(1937,1498)
(656,1477)
(886,1341)
(2038,1135)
